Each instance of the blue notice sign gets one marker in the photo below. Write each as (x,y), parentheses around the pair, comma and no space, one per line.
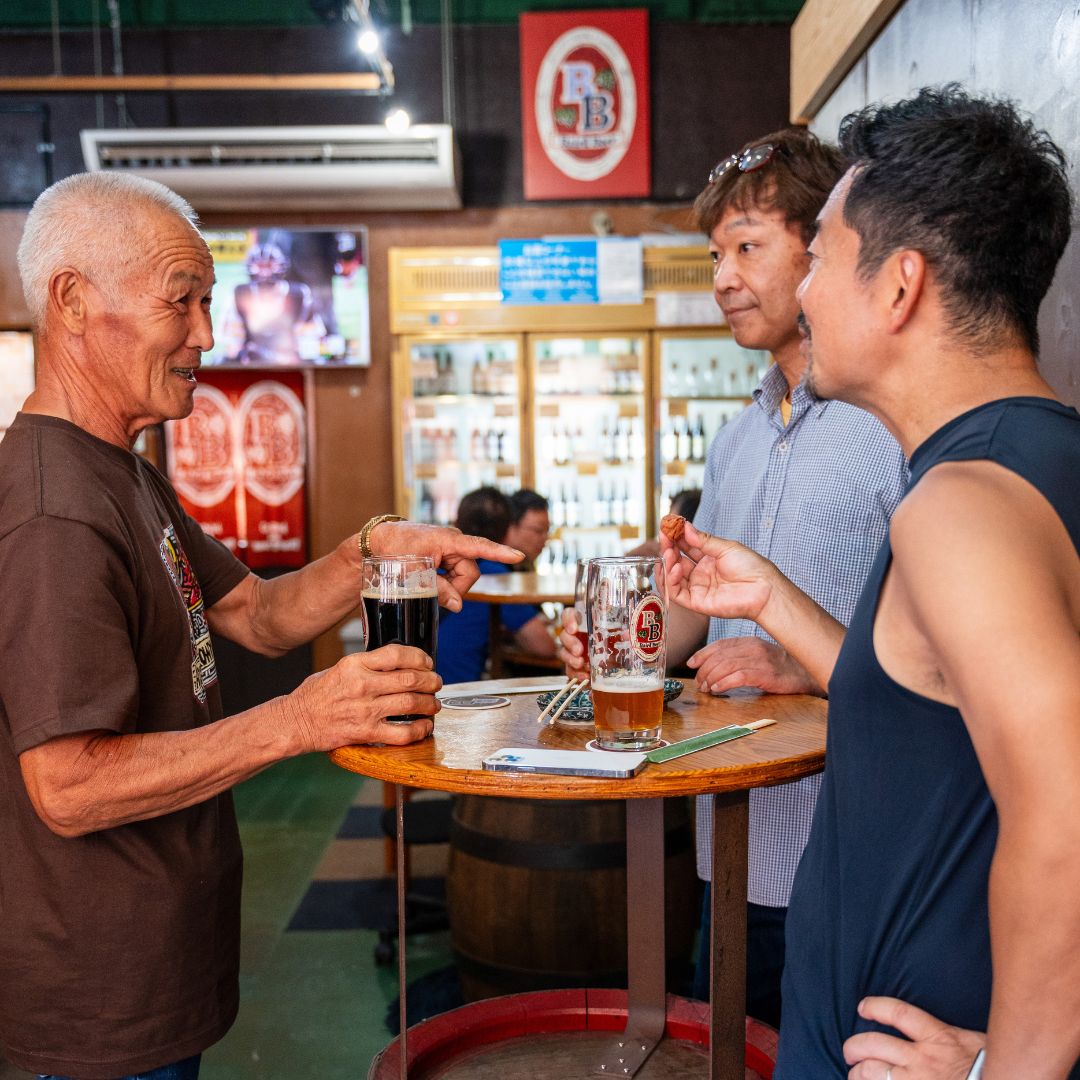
(548,271)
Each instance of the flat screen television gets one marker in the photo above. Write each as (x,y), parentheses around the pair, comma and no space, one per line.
(289,298)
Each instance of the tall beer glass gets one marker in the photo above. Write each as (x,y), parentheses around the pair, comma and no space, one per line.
(401,606)
(627,602)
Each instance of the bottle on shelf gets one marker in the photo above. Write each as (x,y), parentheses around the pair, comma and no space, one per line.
(674,386)
(692,386)
(558,508)
(669,441)
(631,507)
(426,506)
(697,440)
(684,440)
(622,439)
(600,507)
(710,379)
(637,440)
(477,446)
(573,510)
(499,447)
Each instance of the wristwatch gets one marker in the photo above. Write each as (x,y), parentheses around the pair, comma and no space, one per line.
(363,537)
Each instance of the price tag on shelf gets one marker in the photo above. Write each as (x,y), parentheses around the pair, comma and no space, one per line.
(505,469)
(505,408)
(629,532)
(675,468)
(424,410)
(549,409)
(676,408)
(628,408)
(588,468)
(425,471)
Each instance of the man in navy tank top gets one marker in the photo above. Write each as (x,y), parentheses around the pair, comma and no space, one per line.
(934,928)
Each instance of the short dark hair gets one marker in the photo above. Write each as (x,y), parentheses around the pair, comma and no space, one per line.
(977,189)
(521,502)
(796,181)
(686,503)
(484,512)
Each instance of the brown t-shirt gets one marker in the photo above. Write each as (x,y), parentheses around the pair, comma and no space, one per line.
(119,949)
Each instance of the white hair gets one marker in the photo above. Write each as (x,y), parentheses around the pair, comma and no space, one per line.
(89,222)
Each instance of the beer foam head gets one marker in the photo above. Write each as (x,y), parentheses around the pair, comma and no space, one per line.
(629,684)
(393,591)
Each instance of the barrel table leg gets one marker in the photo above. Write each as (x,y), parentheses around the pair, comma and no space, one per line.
(645,940)
(728,984)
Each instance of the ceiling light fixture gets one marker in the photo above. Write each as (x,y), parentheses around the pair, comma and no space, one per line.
(368,42)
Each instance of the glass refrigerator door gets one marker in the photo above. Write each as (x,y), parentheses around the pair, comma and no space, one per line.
(589,443)
(461,422)
(704,382)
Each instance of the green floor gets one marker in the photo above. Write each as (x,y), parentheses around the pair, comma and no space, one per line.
(312,1003)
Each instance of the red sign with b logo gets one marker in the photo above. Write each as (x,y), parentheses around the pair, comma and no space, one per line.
(585,104)
(237,463)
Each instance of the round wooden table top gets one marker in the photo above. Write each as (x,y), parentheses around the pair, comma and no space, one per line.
(524,588)
(451,759)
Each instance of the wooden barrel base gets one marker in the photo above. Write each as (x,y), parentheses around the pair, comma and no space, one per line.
(554,1034)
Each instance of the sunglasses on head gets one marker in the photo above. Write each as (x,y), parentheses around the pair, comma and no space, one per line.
(749,160)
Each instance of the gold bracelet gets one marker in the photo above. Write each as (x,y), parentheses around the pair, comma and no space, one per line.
(363,537)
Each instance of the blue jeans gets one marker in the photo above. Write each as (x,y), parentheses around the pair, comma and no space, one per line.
(182,1070)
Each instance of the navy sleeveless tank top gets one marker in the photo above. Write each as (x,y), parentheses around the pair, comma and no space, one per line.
(891,894)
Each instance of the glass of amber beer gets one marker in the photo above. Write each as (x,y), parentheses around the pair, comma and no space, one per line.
(401,606)
(627,604)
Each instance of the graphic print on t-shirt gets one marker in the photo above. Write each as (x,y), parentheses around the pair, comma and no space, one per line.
(203,667)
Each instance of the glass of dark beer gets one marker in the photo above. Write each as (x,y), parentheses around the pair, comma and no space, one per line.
(627,603)
(401,606)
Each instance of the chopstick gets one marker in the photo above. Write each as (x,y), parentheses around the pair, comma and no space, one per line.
(562,698)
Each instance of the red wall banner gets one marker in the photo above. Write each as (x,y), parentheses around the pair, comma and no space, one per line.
(237,463)
(585,104)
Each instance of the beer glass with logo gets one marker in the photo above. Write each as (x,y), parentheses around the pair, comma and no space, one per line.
(627,603)
(401,606)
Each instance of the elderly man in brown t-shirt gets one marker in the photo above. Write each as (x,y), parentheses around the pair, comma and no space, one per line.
(120,875)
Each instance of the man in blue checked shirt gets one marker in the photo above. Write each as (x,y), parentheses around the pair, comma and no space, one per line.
(809,484)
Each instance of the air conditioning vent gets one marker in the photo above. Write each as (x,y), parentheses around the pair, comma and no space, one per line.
(314,168)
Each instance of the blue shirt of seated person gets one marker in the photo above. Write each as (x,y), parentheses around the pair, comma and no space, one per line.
(464,635)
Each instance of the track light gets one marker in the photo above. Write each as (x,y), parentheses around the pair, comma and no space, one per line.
(368,41)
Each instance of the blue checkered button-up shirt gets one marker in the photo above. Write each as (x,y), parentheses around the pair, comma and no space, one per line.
(815,498)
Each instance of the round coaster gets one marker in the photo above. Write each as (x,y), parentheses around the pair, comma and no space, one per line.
(591,745)
(475,701)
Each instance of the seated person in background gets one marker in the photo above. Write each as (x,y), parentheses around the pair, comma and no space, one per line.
(529,526)
(464,635)
(683,503)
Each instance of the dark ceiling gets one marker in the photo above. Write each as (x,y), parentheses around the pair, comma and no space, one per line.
(156,14)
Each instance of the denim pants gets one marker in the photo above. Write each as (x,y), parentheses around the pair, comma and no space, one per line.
(181,1070)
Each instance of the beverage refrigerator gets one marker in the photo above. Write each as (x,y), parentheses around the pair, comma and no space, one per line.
(591,451)
(459,421)
(607,410)
(703,380)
